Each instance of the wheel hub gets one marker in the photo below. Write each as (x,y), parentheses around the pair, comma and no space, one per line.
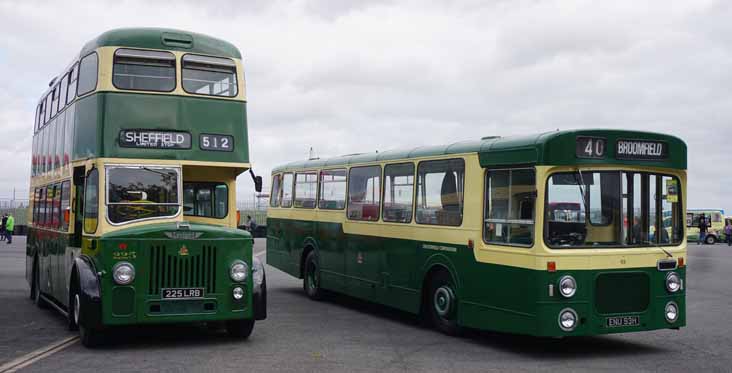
(77,307)
(443,301)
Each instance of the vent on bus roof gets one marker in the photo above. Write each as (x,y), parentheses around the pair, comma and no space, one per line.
(490,137)
(173,39)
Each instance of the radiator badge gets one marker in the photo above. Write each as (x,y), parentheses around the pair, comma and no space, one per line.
(183,251)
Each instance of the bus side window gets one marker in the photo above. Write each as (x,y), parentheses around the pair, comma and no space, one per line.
(440,186)
(398,192)
(306,189)
(332,189)
(274,197)
(286,200)
(364,193)
(88,71)
(65,204)
(91,201)
(50,192)
(510,199)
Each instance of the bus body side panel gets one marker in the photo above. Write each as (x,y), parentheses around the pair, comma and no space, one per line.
(50,248)
(301,235)
(331,251)
(496,297)
(401,272)
(277,255)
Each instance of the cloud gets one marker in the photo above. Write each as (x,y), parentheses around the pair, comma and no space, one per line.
(358,76)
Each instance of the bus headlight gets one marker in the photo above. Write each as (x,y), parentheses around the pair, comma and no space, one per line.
(239,271)
(567,286)
(123,273)
(673,282)
(671,312)
(568,319)
(257,272)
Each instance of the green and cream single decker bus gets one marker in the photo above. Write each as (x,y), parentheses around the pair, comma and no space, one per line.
(136,149)
(715,225)
(552,234)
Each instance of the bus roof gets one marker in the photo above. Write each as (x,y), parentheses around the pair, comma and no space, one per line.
(549,148)
(160,38)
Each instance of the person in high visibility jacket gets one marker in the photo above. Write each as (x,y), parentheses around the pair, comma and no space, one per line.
(9,227)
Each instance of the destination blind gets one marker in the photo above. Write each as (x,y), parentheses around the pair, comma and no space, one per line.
(644,150)
(154,139)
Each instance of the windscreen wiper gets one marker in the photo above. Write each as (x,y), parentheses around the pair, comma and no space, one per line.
(668,254)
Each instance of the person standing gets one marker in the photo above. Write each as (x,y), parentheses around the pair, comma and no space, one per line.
(702,229)
(251,224)
(728,232)
(9,227)
(2,228)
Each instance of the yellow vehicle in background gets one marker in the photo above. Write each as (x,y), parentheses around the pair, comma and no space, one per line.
(715,219)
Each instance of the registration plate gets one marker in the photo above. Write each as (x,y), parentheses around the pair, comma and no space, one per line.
(621,321)
(182,293)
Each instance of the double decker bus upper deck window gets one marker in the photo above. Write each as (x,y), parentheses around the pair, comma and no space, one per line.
(612,208)
(212,76)
(88,71)
(144,70)
(139,192)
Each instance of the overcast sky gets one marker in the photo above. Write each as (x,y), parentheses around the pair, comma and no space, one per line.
(357,76)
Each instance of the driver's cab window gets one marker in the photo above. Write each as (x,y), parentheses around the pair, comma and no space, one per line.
(206,199)
(510,205)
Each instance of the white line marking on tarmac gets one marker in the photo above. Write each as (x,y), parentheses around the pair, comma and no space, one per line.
(257,255)
(38,354)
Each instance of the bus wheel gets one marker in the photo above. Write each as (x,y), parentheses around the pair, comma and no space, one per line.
(710,240)
(442,303)
(90,337)
(36,288)
(240,329)
(311,280)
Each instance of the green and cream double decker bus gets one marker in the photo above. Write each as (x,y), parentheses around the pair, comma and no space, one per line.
(548,235)
(137,146)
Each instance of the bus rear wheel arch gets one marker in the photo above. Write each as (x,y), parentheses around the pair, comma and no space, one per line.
(440,301)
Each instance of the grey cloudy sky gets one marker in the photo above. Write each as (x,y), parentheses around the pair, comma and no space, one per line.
(357,76)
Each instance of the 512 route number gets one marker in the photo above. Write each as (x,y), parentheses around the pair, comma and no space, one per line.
(221,143)
(591,147)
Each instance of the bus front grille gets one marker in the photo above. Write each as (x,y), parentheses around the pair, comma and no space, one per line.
(182,268)
(622,292)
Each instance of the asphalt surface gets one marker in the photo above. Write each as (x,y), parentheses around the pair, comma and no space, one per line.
(343,334)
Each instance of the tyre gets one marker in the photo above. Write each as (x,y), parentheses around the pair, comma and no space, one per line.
(36,288)
(710,240)
(311,280)
(240,329)
(89,337)
(441,303)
